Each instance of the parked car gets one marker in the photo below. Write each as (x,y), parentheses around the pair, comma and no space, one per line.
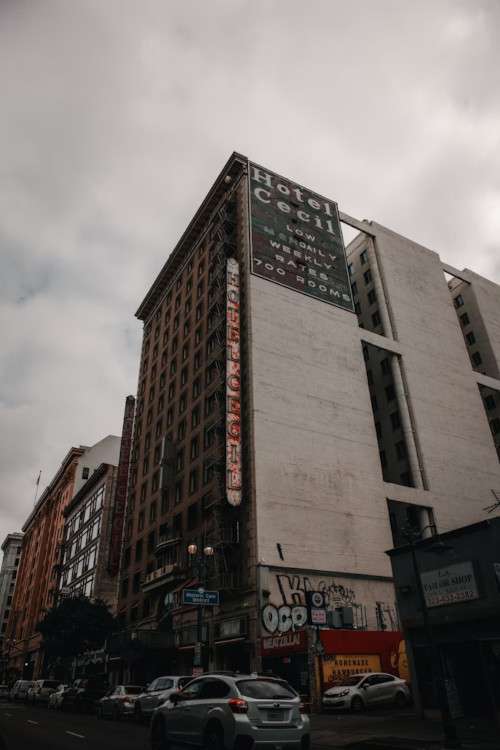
(359,691)
(119,701)
(20,689)
(84,694)
(4,691)
(40,691)
(55,698)
(219,711)
(157,692)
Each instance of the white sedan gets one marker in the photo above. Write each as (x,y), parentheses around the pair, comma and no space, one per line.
(55,698)
(359,691)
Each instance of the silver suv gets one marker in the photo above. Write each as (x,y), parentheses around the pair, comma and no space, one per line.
(232,712)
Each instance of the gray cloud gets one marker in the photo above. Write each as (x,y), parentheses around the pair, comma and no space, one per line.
(116,116)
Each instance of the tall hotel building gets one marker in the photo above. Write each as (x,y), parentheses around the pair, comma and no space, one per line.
(298,405)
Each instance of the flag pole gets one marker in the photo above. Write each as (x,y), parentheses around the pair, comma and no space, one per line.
(37,485)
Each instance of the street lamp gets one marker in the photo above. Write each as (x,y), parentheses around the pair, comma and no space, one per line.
(199,562)
(412,535)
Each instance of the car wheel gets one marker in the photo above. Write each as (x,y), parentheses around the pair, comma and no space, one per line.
(159,740)
(213,739)
(357,704)
(400,700)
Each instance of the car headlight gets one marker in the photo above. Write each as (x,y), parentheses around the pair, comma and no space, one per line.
(343,693)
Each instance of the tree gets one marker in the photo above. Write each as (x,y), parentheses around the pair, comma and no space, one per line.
(75,625)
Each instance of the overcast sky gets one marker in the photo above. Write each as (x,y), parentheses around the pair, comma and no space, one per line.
(117,116)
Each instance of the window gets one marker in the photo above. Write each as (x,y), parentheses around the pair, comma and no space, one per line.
(152,512)
(349,269)
(170,417)
(395,420)
(464,319)
(364,257)
(385,366)
(372,297)
(195,416)
(369,375)
(138,550)
(192,516)
(357,308)
(470,338)
(354,287)
(495,426)
(195,448)
(390,393)
(458,301)
(197,361)
(183,403)
(179,464)
(400,450)
(171,390)
(184,376)
(181,430)
(196,388)
(490,402)
(376,319)
(367,276)
(213,689)
(124,588)
(85,472)
(178,493)
(476,358)
(151,542)
(140,521)
(199,312)
(136,584)
(193,481)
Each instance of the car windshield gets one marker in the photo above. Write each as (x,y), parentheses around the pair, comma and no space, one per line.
(270,689)
(348,681)
(133,689)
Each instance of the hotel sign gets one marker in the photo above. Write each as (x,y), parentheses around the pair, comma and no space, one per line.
(450,585)
(233,385)
(296,239)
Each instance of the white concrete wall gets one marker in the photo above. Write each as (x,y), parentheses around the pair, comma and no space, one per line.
(458,453)
(318,483)
(106,451)
(319,490)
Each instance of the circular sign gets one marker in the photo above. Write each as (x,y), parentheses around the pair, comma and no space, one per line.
(317,599)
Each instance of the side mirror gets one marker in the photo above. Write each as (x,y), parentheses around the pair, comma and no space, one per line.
(365,685)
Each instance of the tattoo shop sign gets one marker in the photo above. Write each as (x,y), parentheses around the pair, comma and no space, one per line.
(296,239)
(456,583)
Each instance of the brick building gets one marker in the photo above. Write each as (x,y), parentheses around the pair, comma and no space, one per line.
(291,424)
(38,576)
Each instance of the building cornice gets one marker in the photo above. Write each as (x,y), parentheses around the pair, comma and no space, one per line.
(233,167)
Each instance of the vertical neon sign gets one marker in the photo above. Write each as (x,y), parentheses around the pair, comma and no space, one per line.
(233,385)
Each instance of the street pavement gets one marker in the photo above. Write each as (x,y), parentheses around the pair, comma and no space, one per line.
(24,727)
(36,728)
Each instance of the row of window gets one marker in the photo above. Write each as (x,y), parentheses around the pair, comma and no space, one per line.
(83,538)
(85,513)
(81,565)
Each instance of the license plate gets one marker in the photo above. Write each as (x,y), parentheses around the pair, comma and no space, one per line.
(274,715)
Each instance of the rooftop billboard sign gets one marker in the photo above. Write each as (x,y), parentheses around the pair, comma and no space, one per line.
(296,238)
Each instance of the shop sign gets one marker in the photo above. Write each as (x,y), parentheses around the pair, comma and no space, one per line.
(281,644)
(451,585)
(296,238)
(233,385)
(343,665)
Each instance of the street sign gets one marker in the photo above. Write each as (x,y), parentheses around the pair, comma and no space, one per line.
(200,597)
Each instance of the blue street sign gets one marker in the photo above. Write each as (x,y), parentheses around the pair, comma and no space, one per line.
(200,596)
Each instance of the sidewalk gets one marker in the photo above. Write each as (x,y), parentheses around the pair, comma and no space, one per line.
(401,730)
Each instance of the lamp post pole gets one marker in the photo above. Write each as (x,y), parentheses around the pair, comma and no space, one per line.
(199,561)
(449,730)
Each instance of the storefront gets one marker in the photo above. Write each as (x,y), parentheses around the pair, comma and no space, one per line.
(448,590)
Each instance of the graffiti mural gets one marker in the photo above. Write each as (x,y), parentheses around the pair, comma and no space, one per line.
(284,603)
